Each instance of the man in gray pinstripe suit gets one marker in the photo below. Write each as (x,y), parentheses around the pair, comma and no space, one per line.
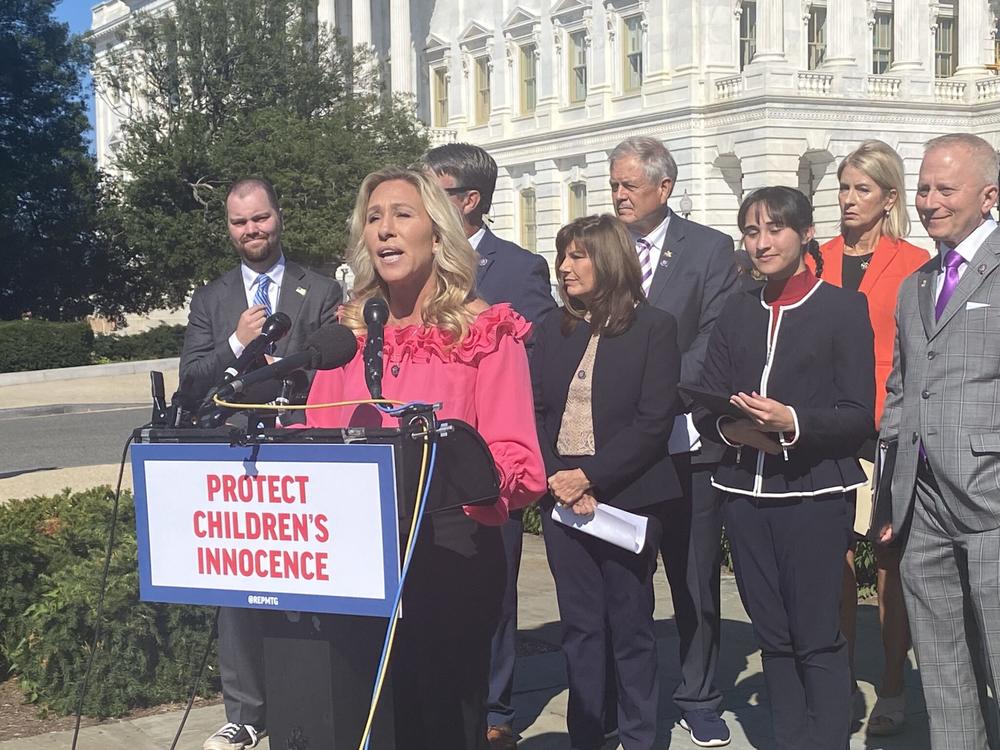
(944,406)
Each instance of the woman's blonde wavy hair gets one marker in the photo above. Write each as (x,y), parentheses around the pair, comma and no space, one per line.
(880,162)
(454,261)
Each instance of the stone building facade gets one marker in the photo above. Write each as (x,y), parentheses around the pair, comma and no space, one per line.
(745,92)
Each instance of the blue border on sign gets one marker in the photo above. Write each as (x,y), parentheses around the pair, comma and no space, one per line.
(379,454)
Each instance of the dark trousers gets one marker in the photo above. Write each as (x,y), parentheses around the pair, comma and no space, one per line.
(503,648)
(241,666)
(789,559)
(441,659)
(600,587)
(691,549)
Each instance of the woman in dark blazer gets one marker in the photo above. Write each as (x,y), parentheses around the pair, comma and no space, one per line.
(797,360)
(604,370)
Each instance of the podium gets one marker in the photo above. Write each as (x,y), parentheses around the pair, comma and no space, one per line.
(320,659)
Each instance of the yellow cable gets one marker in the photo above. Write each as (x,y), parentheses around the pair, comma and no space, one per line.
(411,541)
(377,693)
(302,407)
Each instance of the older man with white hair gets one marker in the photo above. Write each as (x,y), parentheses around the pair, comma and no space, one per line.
(942,409)
(689,270)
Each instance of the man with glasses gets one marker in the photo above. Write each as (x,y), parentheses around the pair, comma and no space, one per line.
(506,273)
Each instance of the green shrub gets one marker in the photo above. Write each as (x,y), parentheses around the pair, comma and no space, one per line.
(43,345)
(532,520)
(156,343)
(147,653)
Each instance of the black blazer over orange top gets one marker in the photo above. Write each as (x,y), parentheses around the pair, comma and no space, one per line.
(634,402)
(820,362)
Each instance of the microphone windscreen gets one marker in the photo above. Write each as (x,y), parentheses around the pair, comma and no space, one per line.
(260,393)
(276,326)
(376,311)
(334,345)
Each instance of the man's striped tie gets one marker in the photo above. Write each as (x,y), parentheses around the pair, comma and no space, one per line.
(261,297)
(644,249)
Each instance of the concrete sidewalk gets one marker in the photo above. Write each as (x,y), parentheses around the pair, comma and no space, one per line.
(540,693)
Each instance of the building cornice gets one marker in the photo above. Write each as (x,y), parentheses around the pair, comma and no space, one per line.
(771,110)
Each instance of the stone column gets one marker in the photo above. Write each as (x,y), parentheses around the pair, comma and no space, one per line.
(400,47)
(906,19)
(972,36)
(840,31)
(770,32)
(326,12)
(361,22)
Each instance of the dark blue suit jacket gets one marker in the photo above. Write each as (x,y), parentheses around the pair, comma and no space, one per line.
(633,401)
(695,275)
(509,273)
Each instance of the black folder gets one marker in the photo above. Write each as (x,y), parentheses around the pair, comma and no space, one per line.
(885,465)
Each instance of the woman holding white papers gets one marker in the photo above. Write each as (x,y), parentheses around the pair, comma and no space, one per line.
(604,370)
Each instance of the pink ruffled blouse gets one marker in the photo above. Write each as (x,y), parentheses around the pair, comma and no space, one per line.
(483,381)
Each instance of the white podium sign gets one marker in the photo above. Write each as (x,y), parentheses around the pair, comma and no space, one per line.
(278,526)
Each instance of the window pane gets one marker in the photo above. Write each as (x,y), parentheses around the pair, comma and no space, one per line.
(817,37)
(578,67)
(632,49)
(440,117)
(577,200)
(528,232)
(529,96)
(482,90)
(748,33)
(882,43)
(944,48)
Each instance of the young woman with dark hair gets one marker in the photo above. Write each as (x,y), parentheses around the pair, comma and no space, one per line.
(796,358)
(604,371)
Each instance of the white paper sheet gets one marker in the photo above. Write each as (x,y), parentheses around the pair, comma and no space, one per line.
(684,438)
(614,525)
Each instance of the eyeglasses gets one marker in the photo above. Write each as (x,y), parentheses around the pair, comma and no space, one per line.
(459,190)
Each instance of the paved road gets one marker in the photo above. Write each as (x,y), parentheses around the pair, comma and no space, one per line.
(32,442)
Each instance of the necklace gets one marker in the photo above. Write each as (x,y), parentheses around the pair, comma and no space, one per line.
(864,264)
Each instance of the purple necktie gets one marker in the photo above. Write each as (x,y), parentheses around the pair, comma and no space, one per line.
(952,262)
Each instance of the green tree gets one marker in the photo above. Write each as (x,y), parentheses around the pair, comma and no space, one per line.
(52,260)
(229,88)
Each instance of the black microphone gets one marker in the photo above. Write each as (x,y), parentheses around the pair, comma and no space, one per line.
(327,348)
(376,313)
(159,417)
(274,329)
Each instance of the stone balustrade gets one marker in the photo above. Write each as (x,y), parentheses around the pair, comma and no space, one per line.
(883,87)
(813,83)
(727,88)
(947,90)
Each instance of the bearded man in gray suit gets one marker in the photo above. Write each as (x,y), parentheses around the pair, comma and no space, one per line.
(942,405)
(226,315)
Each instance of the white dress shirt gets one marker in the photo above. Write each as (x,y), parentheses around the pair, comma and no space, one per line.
(656,239)
(967,248)
(276,274)
(475,239)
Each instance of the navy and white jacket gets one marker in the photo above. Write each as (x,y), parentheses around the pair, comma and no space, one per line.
(816,356)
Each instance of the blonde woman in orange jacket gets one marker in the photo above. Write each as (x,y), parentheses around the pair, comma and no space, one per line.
(871,256)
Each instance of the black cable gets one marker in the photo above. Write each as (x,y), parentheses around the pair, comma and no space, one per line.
(213,631)
(100,598)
